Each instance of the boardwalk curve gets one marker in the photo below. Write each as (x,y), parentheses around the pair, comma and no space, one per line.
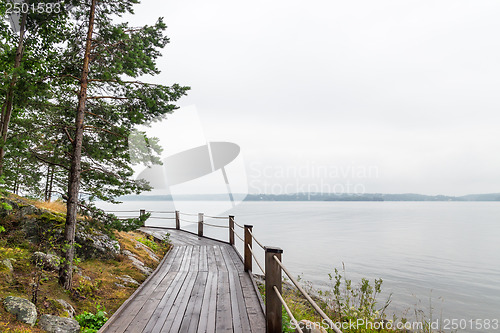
(200,286)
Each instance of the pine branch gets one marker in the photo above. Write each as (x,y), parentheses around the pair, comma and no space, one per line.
(110,97)
(38,157)
(104,130)
(68,135)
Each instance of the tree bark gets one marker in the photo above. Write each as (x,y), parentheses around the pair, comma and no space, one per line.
(66,271)
(51,183)
(9,98)
(47,180)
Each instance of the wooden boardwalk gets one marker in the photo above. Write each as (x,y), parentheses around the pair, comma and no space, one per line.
(200,286)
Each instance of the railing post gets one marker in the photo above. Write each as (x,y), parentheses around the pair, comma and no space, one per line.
(200,224)
(141,213)
(177,220)
(231,228)
(273,278)
(248,243)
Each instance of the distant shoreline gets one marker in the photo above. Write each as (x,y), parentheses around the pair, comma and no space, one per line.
(318,197)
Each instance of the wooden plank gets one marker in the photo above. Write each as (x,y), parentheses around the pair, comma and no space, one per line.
(193,310)
(165,305)
(135,321)
(212,266)
(209,306)
(253,306)
(174,318)
(186,261)
(195,259)
(179,260)
(203,259)
(223,322)
(240,317)
(153,315)
(219,260)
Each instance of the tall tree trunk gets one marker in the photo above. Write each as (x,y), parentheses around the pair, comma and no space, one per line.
(9,99)
(66,271)
(47,180)
(51,183)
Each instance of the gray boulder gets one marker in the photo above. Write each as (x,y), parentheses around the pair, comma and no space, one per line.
(30,228)
(127,280)
(151,254)
(137,263)
(24,310)
(47,261)
(96,245)
(54,324)
(29,210)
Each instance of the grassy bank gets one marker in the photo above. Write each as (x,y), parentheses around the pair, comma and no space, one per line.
(353,306)
(98,282)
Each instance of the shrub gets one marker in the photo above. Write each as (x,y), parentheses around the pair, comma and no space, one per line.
(91,323)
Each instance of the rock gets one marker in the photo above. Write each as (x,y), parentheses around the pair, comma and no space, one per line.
(48,261)
(54,324)
(119,285)
(128,280)
(96,245)
(29,210)
(24,310)
(137,263)
(309,327)
(30,228)
(8,263)
(128,253)
(152,255)
(9,276)
(70,311)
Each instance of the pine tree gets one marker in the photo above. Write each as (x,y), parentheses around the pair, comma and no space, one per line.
(110,102)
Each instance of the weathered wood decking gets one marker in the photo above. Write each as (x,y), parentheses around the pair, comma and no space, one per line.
(200,286)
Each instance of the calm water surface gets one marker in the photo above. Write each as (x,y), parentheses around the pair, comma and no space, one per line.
(444,255)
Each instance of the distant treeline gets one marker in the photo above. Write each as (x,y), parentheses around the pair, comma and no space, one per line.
(317,197)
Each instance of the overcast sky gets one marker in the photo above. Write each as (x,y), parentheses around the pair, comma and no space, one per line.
(393,96)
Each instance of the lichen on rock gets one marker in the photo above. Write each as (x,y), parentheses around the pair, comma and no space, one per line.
(24,310)
(54,324)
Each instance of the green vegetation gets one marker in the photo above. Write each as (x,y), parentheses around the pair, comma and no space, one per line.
(345,302)
(158,247)
(91,323)
(149,242)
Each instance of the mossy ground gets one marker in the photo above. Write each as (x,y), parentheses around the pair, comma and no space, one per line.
(94,280)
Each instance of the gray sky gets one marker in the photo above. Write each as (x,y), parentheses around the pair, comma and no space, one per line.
(391,96)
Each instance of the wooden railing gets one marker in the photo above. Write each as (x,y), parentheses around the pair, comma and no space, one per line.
(272,269)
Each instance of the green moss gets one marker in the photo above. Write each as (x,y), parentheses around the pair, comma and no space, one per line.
(56,219)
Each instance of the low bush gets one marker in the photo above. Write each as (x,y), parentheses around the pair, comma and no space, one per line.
(91,323)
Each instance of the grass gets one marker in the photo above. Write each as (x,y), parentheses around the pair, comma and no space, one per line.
(55,206)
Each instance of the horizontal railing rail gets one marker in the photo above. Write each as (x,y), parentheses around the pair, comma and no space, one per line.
(272,269)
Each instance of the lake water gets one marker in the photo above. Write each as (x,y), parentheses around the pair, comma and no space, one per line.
(444,255)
